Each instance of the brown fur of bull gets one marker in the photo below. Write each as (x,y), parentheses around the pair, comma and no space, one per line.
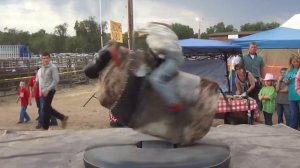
(199,97)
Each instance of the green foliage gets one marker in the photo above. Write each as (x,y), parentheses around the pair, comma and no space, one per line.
(259,26)
(204,36)
(14,37)
(219,28)
(74,44)
(139,43)
(88,36)
(125,40)
(39,41)
(88,33)
(182,31)
(61,30)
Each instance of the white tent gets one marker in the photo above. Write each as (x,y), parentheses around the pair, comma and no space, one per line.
(293,22)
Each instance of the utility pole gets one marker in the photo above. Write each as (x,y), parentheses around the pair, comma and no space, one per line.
(100,19)
(130,26)
(199,24)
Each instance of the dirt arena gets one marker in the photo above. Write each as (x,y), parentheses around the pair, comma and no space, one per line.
(68,101)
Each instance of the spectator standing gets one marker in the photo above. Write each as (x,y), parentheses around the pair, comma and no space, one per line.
(34,90)
(293,97)
(282,101)
(254,63)
(48,79)
(267,95)
(24,97)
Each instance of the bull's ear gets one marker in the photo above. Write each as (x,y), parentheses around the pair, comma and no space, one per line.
(92,70)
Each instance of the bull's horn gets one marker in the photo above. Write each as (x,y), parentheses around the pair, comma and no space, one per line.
(92,70)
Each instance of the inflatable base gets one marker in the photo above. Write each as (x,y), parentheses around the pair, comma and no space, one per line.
(158,154)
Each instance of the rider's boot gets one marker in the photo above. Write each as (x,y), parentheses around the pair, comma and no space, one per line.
(175,107)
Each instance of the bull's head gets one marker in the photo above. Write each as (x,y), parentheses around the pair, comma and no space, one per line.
(105,55)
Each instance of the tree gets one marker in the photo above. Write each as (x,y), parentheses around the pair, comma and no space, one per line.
(12,36)
(259,26)
(204,35)
(182,31)
(230,28)
(59,38)
(220,28)
(89,34)
(139,43)
(73,44)
(105,36)
(61,30)
(271,25)
(38,41)
(89,40)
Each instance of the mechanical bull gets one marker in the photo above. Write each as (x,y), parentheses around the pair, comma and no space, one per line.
(129,96)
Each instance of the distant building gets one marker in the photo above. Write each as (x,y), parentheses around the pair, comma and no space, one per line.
(14,51)
(227,36)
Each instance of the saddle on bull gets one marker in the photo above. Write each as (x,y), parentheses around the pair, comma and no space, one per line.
(132,100)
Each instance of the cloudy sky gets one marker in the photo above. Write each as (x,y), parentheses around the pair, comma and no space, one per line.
(32,15)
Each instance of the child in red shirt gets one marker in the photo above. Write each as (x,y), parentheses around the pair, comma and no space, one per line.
(24,97)
(34,91)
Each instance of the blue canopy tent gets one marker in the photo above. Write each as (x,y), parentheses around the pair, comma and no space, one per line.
(281,37)
(202,46)
(276,45)
(213,55)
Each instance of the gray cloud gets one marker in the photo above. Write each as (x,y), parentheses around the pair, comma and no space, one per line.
(31,15)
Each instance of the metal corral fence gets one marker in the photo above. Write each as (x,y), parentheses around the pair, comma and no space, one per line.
(14,70)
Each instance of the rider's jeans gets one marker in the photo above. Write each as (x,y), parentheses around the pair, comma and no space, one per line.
(165,72)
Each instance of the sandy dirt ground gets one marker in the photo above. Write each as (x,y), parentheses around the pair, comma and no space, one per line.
(68,101)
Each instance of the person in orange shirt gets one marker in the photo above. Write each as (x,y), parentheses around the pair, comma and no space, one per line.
(24,97)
